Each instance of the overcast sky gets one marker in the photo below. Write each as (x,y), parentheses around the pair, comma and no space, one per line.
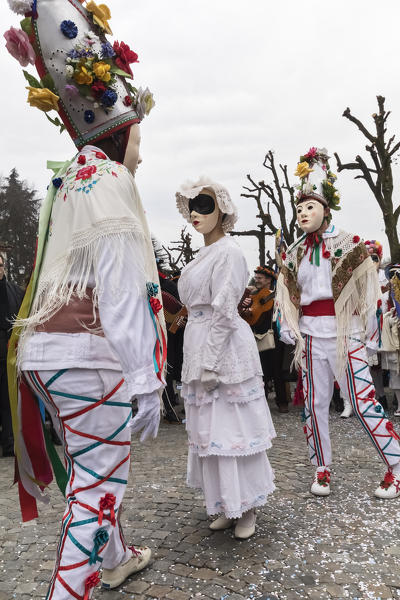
(232,80)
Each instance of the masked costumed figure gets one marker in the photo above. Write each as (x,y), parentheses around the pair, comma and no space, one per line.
(328,304)
(390,351)
(89,336)
(227,417)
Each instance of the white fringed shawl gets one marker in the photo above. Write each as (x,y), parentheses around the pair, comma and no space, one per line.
(96,200)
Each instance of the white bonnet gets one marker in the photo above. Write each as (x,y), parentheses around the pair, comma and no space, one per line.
(191,189)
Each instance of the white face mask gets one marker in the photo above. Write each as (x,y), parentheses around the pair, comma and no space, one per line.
(310,215)
(202,223)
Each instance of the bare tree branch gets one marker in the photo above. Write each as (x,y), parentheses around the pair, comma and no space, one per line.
(380,177)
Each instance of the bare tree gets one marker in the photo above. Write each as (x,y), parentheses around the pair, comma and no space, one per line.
(379,176)
(278,196)
(181,253)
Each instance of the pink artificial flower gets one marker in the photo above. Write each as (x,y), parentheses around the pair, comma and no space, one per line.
(19,46)
(71,89)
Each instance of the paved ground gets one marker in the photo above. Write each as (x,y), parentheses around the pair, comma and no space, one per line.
(344,546)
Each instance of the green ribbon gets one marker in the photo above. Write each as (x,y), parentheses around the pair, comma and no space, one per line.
(59,169)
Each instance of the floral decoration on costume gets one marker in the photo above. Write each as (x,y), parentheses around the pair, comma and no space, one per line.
(325,190)
(94,166)
(21,7)
(42,98)
(19,46)
(69,29)
(94,68)
(101,15)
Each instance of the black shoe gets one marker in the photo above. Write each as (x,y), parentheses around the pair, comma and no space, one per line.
(283,408)
(382,400)
(171,417)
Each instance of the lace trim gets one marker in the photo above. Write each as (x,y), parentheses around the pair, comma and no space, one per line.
(217,449)
(220,508)
(197,398)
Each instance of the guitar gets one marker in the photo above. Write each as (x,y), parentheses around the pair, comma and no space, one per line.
(262,302)
(173,312)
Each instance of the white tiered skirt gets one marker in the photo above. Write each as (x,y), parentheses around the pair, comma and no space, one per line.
(229,431)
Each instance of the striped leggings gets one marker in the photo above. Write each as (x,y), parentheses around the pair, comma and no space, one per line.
(91,413)
(319,372)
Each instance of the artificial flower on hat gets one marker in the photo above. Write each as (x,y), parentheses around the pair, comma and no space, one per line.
(19,46)
(101,15)
(374,247)
(42,98)
(316,178)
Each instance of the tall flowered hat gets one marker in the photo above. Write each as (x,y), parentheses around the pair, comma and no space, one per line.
(84,77)
(316,179)
(374,247)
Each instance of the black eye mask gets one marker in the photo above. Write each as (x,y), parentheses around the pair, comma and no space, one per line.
(202,204)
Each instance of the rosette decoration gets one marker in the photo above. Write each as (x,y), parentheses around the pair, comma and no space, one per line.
(83,76)
(316,178)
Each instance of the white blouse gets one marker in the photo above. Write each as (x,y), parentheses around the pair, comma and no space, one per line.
(216,337)
(129,334)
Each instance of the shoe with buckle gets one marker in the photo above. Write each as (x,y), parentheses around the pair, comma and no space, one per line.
(389,487)
(321,483)
(112,578)
(221,523)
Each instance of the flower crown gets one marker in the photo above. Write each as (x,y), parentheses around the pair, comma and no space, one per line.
(83,77)
(374,247)
(316,178)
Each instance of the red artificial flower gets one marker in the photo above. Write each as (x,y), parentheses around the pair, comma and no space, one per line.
(124,57)
(356,239)
(326,254)
(100,155)
(379,303)
(390,428)
(283,255)
(98,88)
(90,583)
(155,305)
(86,172)
(128,101)
(371,394)
(82,159)
(305,429)
(311,153)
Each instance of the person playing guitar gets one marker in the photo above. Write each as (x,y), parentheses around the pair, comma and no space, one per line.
(256,307)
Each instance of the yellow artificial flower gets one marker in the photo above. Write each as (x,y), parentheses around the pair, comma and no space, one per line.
(101,70)
(149,103)
(42,98)
(303,170)
(82,76)
(329,183)
(101,14)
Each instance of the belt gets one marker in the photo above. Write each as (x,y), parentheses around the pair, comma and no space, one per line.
(319,308)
